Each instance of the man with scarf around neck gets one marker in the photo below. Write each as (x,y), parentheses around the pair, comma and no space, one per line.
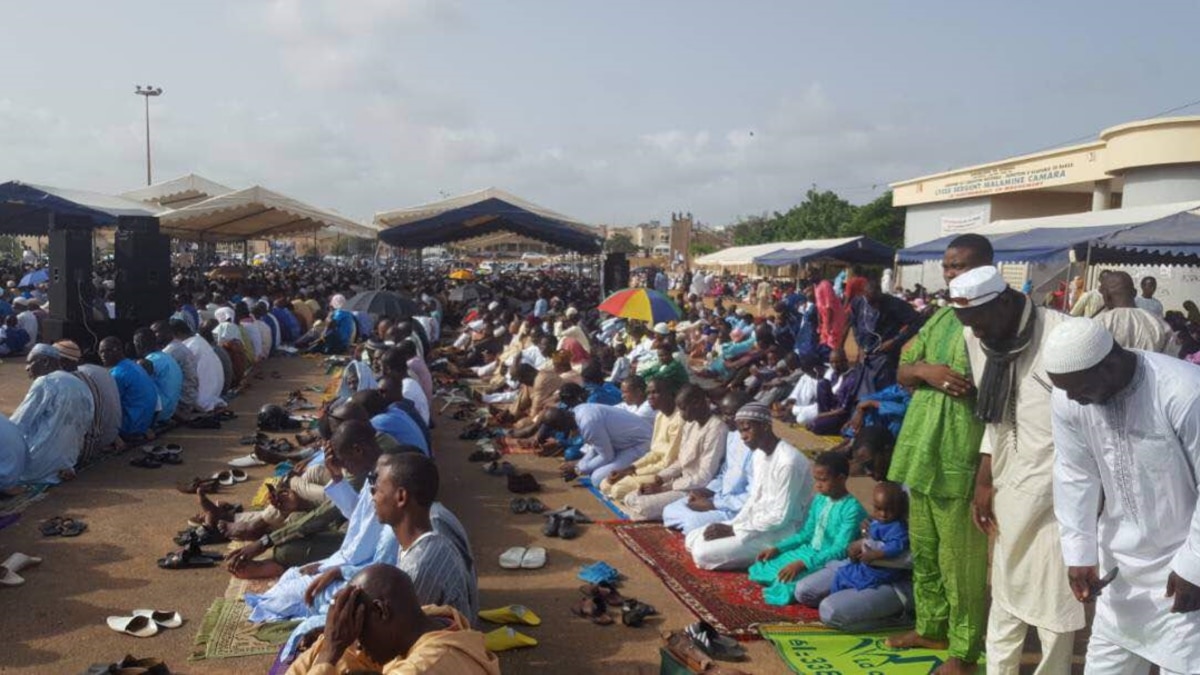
(1014,498)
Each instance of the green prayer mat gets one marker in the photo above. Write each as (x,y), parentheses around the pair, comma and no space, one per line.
(829,652)
(226,632)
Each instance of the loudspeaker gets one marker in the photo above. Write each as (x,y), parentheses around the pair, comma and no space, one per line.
(143,289)
(616,272)
(71,289)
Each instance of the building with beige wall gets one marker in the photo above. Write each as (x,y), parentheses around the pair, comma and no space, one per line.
(1131,165)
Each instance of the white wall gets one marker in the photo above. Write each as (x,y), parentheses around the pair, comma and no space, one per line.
(923,222)
(1161,185)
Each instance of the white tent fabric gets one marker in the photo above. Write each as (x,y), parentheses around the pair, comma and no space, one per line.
(179,192)
(745,255)
(1134,215)
(256,213)
(111,204)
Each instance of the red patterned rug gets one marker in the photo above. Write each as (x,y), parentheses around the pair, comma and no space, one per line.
(728,600)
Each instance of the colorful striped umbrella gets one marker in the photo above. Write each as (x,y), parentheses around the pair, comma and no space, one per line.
(642,304)
(462,275)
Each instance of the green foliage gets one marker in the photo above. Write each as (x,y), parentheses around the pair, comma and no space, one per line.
(620,242)
(824,215)
(698,249)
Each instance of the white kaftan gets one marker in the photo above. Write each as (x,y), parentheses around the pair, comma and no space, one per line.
(1134,328)
(781,488)
(1138,454)
(209,374)
(56,414)
(13,454)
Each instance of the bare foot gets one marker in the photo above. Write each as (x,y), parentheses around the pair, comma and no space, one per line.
(258,569)
(956,666)
(914,639)
(244,531)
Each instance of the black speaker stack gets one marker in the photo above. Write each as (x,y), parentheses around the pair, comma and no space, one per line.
(143,288)
(616,272)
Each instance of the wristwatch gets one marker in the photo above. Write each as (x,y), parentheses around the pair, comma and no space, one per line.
(265,541)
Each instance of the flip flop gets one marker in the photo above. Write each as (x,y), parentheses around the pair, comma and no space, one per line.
(224,478)
(19,561)
(511,559)
(534,505)
(518,505)
(10,578)
(634,613)
(137,626)
(503,639)
(208,485)
(534,558)
(239,476)
(69,527)
(184,559)
(164,619)
(173,448)
(594,609)
(720,647)
(50,527)
(511,614)
(605,590)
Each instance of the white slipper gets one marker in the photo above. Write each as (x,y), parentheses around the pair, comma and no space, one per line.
(19,561)
(511,559)
(224,478)
(137,626)
(534,558)
(173,448)
(239,476)
(10,578)
(163,619)
(246,462)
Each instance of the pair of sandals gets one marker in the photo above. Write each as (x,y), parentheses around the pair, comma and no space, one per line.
(708,640)
(201,535)
(145,623)
(60,526)
(191,556)
(155,457)
(230,477)
(597,598)
(521,505)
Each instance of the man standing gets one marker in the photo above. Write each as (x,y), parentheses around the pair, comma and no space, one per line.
(1127,442)
(1131,326)
(1013,485)
(882,324)
(1146,300)
(936,456)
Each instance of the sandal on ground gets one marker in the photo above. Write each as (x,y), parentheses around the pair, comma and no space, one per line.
(137,626)
(605,590)
(164,619)
(146,462)
(595,609)
(188,558)
(511,559)
(69,527)
(511,614)
(534,505)
(207,485)
(497,468)
(720,647)
(49,528)
(550,529)
(519,505)
(483,456)
(523,483)
(634,613)
(201,536)
(534,558)
(567,528)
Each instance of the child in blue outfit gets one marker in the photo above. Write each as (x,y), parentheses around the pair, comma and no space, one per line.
(871,590)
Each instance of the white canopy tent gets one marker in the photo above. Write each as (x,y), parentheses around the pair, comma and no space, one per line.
(256,213)
(179,192)
(742,259)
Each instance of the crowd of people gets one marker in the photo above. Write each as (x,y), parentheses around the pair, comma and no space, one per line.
(1069,444)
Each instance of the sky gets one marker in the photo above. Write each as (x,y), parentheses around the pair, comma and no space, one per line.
(613,112)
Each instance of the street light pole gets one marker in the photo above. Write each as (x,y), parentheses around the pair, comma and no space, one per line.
(146,92)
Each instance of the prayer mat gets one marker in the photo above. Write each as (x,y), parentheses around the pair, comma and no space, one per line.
(604,500)
(226,631)
(728,600)
(823,650)
(33,493)
(804,440)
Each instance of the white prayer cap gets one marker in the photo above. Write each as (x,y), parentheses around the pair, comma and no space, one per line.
(20,301)
(493,305)
(499,332)
(223,314)
(42,350)
(337,301)
(662,329)
(1075,345)
(571,311)
(477,324)
(976,287)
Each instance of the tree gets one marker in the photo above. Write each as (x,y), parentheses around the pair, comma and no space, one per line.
(699,249)
(620,242)
(878,220)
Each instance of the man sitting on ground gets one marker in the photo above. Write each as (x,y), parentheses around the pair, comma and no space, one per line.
(701,449)
(664,445)
(724,496)
(612,439)
(168,376)
(781,488)
(170,335)
(377,624)
(54,418)
(139,396)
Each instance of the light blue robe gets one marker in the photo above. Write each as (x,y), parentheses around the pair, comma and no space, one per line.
(54,418)
(168,381)
(139,397)
(13,454)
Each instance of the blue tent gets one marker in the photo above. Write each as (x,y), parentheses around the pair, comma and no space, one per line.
(1174,239)
(27,209)
(1031,246)
(859,250)
(481,214)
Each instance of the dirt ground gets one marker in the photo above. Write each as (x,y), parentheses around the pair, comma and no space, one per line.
(55,623)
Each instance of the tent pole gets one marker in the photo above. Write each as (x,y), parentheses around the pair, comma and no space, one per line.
(1087,269)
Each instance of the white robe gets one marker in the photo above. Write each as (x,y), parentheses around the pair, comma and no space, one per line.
(55,417)
(411,389)
(1139,454)
(13,454)
(781,488)
(1029,578)
(1135,328)
(209,373)
(804,400)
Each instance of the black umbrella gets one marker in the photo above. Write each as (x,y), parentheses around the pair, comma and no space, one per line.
(382,304)
(469,293)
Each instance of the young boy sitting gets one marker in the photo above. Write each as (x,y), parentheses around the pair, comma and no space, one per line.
(833,520)
(868,591)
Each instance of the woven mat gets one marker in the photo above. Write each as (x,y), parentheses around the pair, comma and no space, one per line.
(226,631)
(728,600)
(816,650)
(33,493)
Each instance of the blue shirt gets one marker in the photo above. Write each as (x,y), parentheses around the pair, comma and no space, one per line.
(289,327)
(139,397)
(168,381)
(606,393)
(400,426)
(893,540)
(344,323)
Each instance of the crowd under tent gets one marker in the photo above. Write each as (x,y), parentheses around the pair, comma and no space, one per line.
(775,256)
(480,214)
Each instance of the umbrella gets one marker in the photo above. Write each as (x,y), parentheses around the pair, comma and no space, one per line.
(382,303)
(462,275)
(35,277)
(642,304)
(469,293)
